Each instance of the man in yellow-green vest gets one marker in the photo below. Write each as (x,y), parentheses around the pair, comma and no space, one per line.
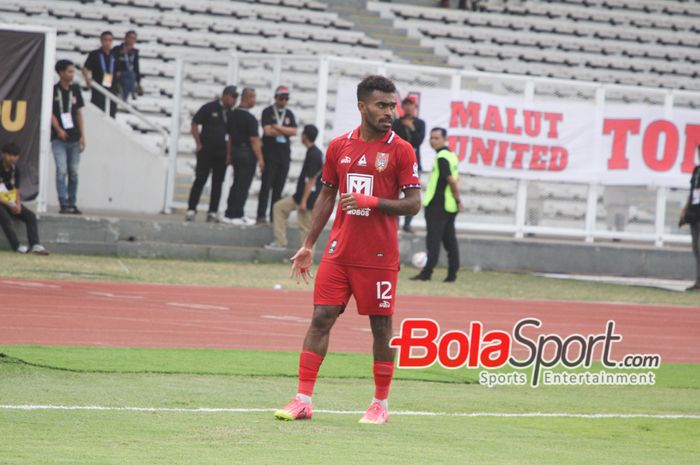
(442,203)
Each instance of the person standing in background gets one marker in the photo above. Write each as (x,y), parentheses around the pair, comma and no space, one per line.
(128,68)
(100,66)
(442,203)
(308,187)
(279,124)
(411,129)
(211,151)
(243,149)
(67,135)
(690,214)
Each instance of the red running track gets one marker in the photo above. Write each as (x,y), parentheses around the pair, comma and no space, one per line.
(145,315)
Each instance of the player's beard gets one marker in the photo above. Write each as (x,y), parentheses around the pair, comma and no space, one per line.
(376,127)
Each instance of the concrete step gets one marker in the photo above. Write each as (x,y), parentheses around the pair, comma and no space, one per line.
(376,27)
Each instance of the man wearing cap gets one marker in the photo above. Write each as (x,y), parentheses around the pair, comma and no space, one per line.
(279,124)
(211,151)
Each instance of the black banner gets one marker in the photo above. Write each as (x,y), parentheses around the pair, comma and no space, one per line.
(21,76)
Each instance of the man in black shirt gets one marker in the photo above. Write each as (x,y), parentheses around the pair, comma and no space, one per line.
(11,203)
(100,66)
(411,129)
(308,187)
(67,135)
(278,125)
(243,151)
(691,215)
(211,151)
(128,68)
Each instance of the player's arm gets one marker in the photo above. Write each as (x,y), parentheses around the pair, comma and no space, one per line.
(407,206)
(323,208)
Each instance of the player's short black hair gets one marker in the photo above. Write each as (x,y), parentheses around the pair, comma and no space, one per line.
(442,131)
(372,83)
(62,65)
(311,132)
(11,149)
(105,34)
(128,33)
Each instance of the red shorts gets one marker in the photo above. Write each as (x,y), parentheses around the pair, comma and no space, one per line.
(374,289)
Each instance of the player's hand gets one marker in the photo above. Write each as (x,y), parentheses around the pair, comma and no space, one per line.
(82,143)
(261,164)
(197,148)
(62,134)
(302,206)
(301,265)
(354,200)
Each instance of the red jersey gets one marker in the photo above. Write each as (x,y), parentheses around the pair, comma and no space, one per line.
(383,168)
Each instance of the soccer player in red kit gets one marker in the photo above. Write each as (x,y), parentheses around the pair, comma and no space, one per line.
(368,167)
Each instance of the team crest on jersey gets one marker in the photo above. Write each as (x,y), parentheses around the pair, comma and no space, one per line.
(382,161)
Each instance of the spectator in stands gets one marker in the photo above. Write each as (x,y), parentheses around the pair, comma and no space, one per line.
(442,203)
(690,214)
(100,66)
(67,135)
(211,151)
(279,124)
(128,69)
(243,149)
(411,129)
(308,187)
(11,203)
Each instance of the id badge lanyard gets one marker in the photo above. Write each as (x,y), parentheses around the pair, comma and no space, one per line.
(280,120)
(66,116)
(107,76)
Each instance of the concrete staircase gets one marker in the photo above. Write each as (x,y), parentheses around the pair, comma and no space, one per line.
(382,29)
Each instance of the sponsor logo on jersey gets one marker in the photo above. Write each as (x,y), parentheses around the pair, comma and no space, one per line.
(385,304)
(363,184)
(363,161)
(345,160)
(382,161)
(331,249)
(415,170)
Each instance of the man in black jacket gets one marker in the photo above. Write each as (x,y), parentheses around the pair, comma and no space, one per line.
(411,129)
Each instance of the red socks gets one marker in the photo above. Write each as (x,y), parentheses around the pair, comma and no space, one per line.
(383,372)
(309,363)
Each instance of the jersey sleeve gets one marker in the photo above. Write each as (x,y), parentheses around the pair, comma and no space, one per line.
(329,175)
(407,168)
(292,120)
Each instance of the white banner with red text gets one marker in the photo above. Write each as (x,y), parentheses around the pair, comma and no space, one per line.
(558,141)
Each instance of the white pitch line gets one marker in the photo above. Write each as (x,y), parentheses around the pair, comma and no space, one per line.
(357,412)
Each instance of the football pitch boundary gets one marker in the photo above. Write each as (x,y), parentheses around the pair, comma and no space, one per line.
(592,416)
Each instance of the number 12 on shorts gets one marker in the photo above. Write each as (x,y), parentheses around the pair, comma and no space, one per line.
(384,290)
